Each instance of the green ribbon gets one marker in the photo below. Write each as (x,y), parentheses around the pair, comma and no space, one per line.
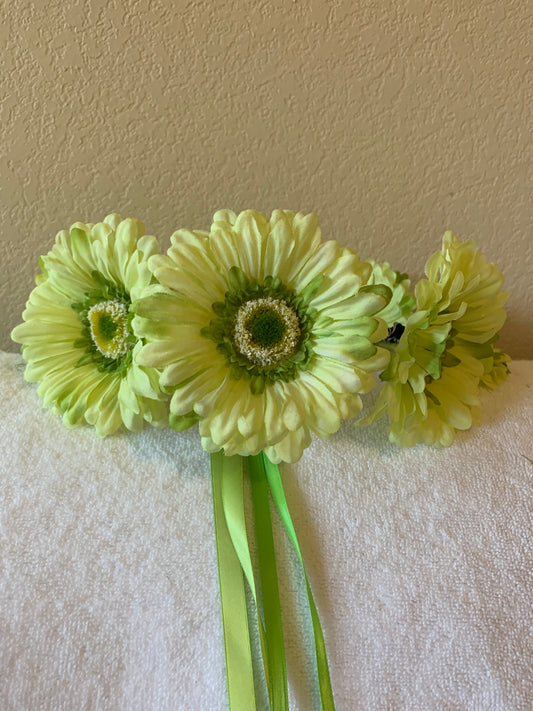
(268,578)
(278,496)
(234,560)
(239,672)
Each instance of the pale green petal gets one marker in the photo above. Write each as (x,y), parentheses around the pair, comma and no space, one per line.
(81,246)
(102,248)
(336,375)
(497,370)
(377,362)
(344,278)
(127,398)
(184,369)
(216,397)
(192,253)
(104,394)
(112,220)
(278,249)
(250,232)
(402,301)
(318,263)
(379,409)
(307,237)
(136,277)
(294,411)
(74,397)
(192,392)
(171,332)
(148,245)
(336,293)
(252,414)
(133,421)
(360,325)
(158,354)
(323,413)
(457,414)
(170,308)
(346,349)
(349,405)
(223,423)
(273,406)
(40,368)
(139,382)
(35,330)
(363,304)
(427,293)
(110,419)
(290,448)
(221,216)
(224,249)
(209,445)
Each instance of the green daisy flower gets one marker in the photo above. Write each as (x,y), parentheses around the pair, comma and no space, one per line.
(264,332)
(446,351)
(77,336)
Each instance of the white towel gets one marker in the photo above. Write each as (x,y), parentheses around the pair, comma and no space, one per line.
(420,561)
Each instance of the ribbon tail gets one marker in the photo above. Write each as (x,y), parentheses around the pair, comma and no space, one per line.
(232,478)
(278,496)
(239,670)
(268,579)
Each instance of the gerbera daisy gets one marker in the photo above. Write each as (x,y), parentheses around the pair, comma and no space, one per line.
(77,336)
(264,332)
(446,350)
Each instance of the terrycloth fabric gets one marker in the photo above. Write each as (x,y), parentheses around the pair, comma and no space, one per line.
(420,561)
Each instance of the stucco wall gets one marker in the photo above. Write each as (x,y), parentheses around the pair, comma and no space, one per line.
(392,120)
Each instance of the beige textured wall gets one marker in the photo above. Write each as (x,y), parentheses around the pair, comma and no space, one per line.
(392,120)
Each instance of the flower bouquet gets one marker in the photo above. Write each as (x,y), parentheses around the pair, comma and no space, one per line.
(263,335)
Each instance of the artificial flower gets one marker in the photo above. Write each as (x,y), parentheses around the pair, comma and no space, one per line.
(77,336)
(402,301)
(264,332)
(446,351)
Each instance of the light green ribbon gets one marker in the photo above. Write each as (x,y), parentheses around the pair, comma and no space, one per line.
(278,496)
(268,578)
(234,559)
(239,672)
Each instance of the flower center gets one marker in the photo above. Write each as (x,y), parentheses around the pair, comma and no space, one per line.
(108,323)
(266,331)
(263,329)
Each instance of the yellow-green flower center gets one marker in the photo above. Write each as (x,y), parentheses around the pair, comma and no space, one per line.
(266,331)
(108,323)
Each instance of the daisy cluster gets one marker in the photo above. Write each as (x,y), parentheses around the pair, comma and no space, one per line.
(260,332)
(444,352)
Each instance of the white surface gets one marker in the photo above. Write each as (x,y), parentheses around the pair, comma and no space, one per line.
(420,561)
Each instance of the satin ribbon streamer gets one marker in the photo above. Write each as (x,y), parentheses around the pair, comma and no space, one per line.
(235,565)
